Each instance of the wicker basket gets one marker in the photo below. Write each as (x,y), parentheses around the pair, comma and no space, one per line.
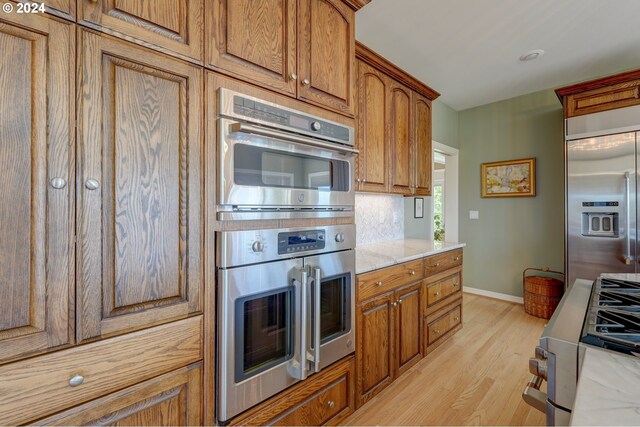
(542,294)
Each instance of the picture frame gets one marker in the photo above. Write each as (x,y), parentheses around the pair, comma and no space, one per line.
(509,178)
(418,207)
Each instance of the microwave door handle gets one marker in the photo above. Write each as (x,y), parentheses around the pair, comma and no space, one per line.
(290,137)
(316,321)
(627,257)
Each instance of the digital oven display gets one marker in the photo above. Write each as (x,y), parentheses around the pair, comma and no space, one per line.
(300,241)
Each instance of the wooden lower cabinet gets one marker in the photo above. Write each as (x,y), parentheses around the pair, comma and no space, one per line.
(35,388)
(400,317)
(172,399)
(326,398)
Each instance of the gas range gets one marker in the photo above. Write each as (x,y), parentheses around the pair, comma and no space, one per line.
(613,318)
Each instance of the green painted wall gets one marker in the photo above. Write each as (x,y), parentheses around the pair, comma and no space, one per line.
(512,233)
(445,124)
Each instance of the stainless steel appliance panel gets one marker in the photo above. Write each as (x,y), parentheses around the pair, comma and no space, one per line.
(601,206)
(257,246)
(331,270)
(236,395)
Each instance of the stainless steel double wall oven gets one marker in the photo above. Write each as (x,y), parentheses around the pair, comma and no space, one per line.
(285,297)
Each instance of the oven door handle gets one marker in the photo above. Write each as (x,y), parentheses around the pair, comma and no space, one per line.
(533,396)
(298,369)
(317,282)
(272,133)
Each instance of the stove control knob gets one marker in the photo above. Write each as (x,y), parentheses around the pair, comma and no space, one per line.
(340,237)
(538,367)
(316,126)
(257,246)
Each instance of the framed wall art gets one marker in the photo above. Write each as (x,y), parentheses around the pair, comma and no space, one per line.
(511,178)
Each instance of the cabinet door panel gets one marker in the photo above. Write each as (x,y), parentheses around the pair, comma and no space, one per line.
(376,337)
(140,239)
(409,321)
(36,224)
(400,143)
(372,129)
(326,54)
(254,40)
(422,145)
(173,399)
(171,25)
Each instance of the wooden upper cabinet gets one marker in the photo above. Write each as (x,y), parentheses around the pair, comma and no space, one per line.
(36,197)
(373,129)
(173,26)
(254,40)
(326,54)
(139,188)
(63,8)
(401,140)
(422,145)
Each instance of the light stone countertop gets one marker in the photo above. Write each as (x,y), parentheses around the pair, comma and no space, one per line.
(372,256)
(608,390)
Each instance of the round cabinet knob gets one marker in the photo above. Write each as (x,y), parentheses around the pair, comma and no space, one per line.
(293,76)
(305,82)
(436,293)
(257,246)
(399,301)
(413,273)
(378,283)
(437,264)
(340,237)
(456,318)
(58,183)
(457,258)
(437,331)
(316,126)
(92,184)
(456,284)
(76,380)
(395,304)
(331,404)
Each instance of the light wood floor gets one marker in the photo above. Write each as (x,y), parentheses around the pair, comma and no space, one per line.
(476,378)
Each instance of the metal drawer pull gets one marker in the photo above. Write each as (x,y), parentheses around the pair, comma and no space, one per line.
(378,283)
(437,331)
(293,76)
(58,183)
(437,264)
(457,258)
(399,301)
(413,273)
(76,380)
(305,82)
(395,304)
(456,318)
(435,294)
(533,396)
(92,184)
(331,404)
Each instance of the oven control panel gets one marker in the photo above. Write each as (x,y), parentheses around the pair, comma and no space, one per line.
(300,241)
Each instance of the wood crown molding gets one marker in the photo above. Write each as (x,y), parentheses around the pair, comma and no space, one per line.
(597,83)
(372,58)
(356,4)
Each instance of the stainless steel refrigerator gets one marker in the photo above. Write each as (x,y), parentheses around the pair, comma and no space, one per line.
(602,152)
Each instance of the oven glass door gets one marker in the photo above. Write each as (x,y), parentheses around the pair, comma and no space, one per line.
(333,318)
(264,331)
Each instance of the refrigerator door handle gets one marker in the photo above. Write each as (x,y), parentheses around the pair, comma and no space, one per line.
(627,256)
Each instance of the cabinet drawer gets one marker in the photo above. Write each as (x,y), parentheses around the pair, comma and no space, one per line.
(387,279)
(439,328)
(326,398)
(35,388)
(444,261)
(602,99)
(443,288)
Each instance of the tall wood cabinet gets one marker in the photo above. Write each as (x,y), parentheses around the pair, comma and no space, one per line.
(36,197)
(305,49)
(394,128)
(139,187)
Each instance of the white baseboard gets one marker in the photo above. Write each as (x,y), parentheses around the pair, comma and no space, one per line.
(496,295)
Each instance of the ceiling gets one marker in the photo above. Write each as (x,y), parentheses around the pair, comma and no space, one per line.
(468,50)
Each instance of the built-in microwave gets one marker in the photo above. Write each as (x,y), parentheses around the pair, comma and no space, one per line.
(276,162)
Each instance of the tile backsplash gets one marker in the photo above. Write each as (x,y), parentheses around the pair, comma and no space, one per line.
(379,217)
